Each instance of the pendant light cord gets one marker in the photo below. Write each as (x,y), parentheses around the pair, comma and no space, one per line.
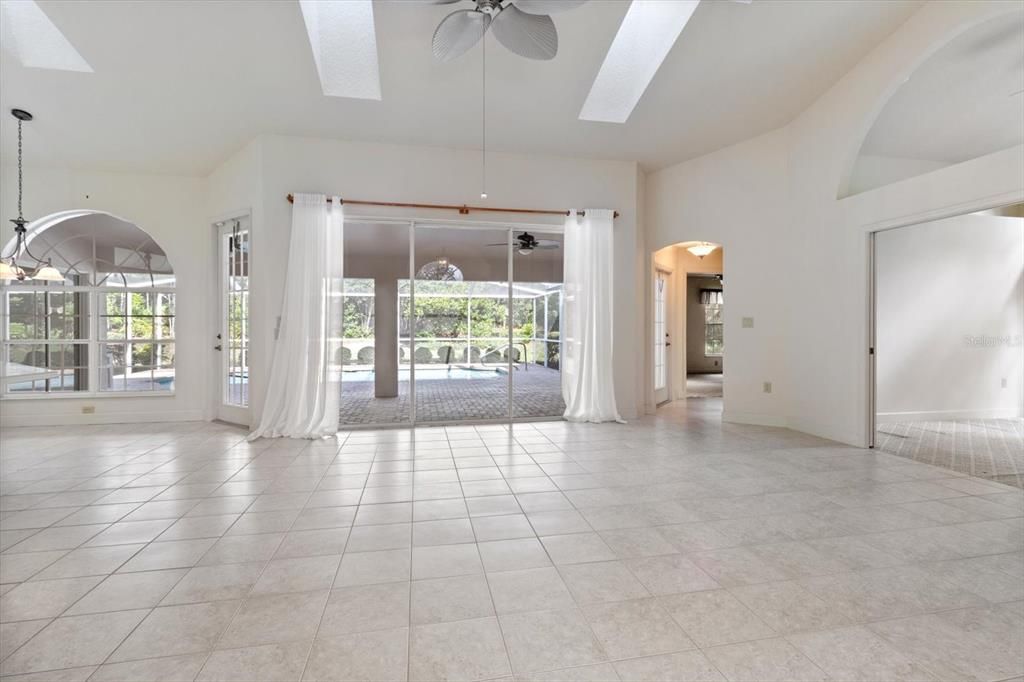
(19,170)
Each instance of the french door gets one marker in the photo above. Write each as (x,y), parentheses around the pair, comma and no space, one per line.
(660,335)
(234,258)
(450,322)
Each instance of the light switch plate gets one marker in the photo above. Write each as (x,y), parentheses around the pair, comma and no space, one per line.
(767,387)
(748,323)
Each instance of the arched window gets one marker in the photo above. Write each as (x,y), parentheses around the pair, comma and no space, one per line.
(108,329)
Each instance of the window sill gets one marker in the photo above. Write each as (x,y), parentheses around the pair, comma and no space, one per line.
(87,396)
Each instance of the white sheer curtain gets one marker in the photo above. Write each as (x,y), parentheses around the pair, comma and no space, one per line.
(304,390)
(588,385)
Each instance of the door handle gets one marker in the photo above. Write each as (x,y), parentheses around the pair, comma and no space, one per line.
(218,347)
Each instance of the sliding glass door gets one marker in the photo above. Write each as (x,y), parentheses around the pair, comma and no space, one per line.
(536,323)
(464,330)
(460,324)
(375,382)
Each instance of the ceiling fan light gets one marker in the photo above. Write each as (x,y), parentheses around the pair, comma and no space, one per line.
(702,249)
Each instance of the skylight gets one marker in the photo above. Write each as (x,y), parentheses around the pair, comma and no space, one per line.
(35,41)
(648,31)
(344,42)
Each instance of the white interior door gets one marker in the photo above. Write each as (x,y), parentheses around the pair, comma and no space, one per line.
(660,336)
(232,344)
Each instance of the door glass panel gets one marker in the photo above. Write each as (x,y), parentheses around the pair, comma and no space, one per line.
(460,324)
(375,386)
(660,373)
(536,324)
(235,335)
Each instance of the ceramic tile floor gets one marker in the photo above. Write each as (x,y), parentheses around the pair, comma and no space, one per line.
(672,548)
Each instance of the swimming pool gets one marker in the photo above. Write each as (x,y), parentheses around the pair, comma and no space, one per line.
(430,374)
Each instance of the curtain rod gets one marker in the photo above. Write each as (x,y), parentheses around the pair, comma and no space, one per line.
(463,209)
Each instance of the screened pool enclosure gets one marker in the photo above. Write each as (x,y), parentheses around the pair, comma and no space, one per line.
(449,323)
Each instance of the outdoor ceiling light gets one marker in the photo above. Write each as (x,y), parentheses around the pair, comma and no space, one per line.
(343,38)
(702,249)
(9,268)
(648,32)
(35,41)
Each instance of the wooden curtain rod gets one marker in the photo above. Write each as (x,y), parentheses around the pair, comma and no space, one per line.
(463,209)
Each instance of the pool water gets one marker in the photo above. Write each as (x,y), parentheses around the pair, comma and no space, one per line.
(429,374)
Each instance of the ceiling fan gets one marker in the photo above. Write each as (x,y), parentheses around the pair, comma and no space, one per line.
(522,26)
(528,244)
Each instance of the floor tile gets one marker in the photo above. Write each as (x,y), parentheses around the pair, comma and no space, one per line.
(73,642)
(167,669)
(297,575)
(460,650)
(88,561)
(764,660)
(602,582)
(714,617)
(441,600)
(511,555)
(548,640)
(215,583)
(381,655)
(364,608)
(266,663)
(44,598)
(534,589)
(173,630)
(124,591)
(670,574)
(368,568)
(445,560)
(857,654)
(629,629)
(275,618)
(686,666)
(577,548)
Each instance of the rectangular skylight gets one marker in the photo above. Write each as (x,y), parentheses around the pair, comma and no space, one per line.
(344,41)
(648,32)
(35,41)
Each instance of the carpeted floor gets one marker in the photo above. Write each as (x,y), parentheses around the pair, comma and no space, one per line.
(987,448)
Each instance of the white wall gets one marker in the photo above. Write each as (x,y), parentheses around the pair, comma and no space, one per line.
(169,208)
(427,175)
(950,319)
(798,257)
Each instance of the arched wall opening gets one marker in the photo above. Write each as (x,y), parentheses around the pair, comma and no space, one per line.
(685,334)
(106,330)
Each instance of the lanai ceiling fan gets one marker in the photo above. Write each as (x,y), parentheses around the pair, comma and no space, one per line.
(527,244)
(522,26)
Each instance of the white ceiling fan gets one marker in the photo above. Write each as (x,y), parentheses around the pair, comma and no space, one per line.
(522,26)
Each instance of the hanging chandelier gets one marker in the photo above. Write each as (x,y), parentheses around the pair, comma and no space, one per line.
(701,249)
(9,269)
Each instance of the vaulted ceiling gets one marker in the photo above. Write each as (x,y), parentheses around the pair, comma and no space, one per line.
(178,86)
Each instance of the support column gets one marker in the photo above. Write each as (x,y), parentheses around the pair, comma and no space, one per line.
(385,337)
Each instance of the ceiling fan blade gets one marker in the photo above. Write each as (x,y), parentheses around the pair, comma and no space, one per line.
(547,6)
(528,35)
(458,32)
(545,247)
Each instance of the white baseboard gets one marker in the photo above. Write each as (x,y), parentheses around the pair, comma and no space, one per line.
(939,415)
(70,418)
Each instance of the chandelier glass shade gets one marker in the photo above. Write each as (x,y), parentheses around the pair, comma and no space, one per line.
(702,249)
